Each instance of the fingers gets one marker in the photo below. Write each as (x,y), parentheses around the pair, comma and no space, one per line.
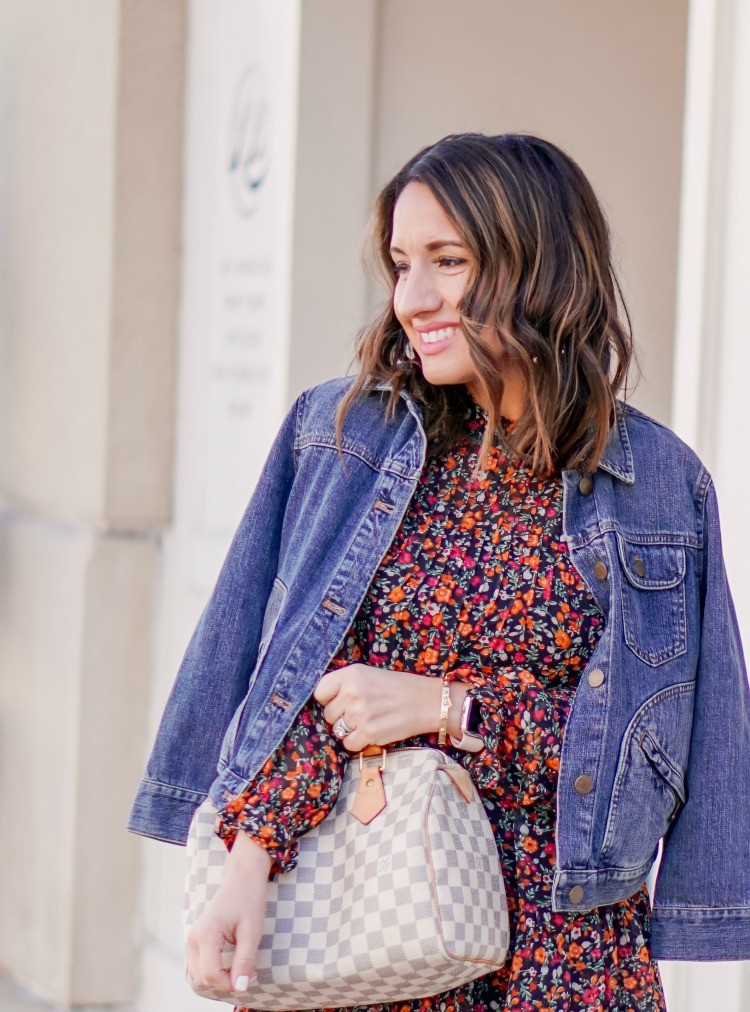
(334,710)
(343,692)
(204,965)
(205,945)
(243,965)
(356,741)
(327,687)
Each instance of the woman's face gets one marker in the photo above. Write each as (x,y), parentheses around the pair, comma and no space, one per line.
(432,268)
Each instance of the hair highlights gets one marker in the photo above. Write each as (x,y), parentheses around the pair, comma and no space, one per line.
(545,284)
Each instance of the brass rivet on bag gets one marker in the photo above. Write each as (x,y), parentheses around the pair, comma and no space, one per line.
(370,782)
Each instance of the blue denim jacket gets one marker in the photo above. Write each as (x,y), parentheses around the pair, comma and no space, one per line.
(665,736)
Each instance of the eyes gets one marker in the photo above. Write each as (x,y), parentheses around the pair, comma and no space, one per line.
(400,268)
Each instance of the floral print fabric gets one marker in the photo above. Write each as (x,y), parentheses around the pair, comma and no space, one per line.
(478,584)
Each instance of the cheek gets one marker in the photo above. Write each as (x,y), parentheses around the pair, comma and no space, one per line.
(455,289)
(396,303)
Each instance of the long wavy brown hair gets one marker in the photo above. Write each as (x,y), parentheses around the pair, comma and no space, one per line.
(530,217)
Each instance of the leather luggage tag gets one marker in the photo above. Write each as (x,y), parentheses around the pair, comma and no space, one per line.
(370,798)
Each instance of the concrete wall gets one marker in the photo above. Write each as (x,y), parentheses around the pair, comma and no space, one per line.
(90,130)
(603,80)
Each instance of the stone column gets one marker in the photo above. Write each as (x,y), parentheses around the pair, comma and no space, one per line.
(712,357)
(91,97)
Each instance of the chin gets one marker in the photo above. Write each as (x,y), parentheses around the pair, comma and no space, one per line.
(445,377)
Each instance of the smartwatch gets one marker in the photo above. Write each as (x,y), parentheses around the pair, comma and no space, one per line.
(470,740)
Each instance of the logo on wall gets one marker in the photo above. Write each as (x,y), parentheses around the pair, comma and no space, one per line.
(249,140)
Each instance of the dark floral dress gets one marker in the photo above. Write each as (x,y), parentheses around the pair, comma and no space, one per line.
(478,583)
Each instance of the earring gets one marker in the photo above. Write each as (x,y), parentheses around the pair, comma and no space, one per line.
(408,350)
(535,360)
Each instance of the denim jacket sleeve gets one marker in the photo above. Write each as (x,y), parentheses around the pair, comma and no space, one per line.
(701,908)
(213,677)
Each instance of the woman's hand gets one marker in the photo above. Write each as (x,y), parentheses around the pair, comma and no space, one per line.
(383,706)
(236,914)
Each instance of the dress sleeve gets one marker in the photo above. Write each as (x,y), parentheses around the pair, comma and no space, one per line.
(522,724)
(295,789)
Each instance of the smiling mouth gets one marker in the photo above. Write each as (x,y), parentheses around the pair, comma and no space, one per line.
(434,336)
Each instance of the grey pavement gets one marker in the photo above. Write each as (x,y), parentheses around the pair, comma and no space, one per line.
(15,999)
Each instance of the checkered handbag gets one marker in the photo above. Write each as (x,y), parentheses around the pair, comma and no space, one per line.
(409,905)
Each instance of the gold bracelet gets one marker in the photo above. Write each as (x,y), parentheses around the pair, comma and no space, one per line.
(445,705)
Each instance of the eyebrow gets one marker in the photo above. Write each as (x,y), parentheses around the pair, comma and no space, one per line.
(435,244)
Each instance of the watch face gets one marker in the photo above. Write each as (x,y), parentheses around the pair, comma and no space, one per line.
(475,718)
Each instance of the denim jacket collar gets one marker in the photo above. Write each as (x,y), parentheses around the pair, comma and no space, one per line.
(617,457)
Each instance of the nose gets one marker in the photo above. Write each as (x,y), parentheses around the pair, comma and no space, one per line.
(416,294)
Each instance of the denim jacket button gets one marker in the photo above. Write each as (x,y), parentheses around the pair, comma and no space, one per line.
(596,677)
(584,784)
(639,566)
(576,894)
(600,570)
(586,485)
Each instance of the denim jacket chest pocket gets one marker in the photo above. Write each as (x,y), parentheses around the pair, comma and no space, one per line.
(653,599)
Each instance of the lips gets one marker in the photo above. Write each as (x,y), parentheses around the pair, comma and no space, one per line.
(440,334)
(431,342)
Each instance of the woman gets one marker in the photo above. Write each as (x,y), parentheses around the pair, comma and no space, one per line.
(478,508)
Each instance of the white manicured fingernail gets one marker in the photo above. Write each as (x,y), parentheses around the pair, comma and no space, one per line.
(242,983)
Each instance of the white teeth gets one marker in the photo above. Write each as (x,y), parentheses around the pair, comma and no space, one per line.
(439,335)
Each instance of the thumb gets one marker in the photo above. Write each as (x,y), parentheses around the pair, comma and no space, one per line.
(243,963)
(327,687)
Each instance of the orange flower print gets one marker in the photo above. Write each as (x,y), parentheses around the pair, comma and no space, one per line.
(429,656)
(562,639)
(478,581)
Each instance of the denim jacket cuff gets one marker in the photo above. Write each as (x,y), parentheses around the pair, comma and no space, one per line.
(700,934)
(170,808)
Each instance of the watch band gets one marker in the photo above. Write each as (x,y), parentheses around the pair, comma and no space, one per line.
(469,741)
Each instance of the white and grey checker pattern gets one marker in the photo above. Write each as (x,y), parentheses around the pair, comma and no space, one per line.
(411,905)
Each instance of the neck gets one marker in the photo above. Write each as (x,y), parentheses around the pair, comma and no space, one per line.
(514,395)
